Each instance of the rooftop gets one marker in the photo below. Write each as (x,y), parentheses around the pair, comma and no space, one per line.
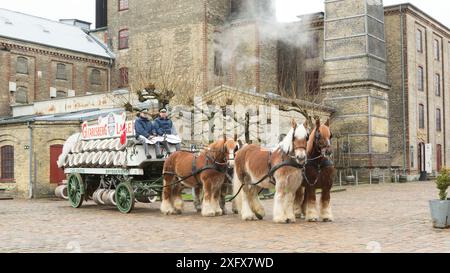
(37,30)
(78,116)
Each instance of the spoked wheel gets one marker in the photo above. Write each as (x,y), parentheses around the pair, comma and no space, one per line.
(125,197)
(75,191)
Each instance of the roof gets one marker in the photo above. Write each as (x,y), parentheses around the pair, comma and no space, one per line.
(410,6)
(79,116)
(29,28)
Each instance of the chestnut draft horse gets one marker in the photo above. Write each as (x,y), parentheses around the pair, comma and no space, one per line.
(256,168)
(207,170)
(319,174)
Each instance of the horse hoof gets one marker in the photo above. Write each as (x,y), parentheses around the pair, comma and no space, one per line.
(327,220)
(208,214)
(249,218)
(235,211)
(313,220)
(199,210)
(178,212)
(218,213)
(259,216)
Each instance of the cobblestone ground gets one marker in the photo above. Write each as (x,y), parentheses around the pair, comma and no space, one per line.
(379,218)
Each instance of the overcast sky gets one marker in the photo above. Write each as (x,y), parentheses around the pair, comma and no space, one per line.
(287,10)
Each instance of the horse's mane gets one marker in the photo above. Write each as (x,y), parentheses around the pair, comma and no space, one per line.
(298,133)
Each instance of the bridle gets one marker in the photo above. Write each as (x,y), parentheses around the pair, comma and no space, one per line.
(291,154)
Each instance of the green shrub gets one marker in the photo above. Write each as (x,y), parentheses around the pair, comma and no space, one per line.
(443,182)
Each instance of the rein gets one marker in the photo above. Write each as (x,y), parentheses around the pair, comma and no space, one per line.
(215,166)
(319,166)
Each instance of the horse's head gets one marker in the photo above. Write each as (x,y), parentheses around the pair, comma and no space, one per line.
(295,142)
(321,139)
(224,151)
(230,148)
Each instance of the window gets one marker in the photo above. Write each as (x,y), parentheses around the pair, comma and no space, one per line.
(420,78)
(312,48)
(437,50)
(421,116)
(312,82)
(123,5)
(437,84)
(218,67)
(123,76)
(22,65)
(419,41)
(235,6)
(22,95)
(95,77)
(123,39)
(438,120)
(61,72)
(7,158)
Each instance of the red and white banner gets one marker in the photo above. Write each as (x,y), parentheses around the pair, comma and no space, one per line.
(110,126)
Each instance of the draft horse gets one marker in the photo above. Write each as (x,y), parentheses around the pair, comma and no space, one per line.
(206,171)
(256,168)
(319,173)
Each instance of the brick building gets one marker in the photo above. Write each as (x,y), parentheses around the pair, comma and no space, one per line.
(389,90)
(383,71)
(42,60)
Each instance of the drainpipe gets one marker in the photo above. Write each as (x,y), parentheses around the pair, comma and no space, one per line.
(403,88)
(30,130)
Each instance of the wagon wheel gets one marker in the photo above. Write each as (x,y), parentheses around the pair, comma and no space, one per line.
(153,196)
(125,197)
(75,190)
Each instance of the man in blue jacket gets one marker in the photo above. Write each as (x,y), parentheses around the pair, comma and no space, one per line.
(144,129)
(164,126)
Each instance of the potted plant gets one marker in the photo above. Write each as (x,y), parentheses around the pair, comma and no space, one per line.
(440,209)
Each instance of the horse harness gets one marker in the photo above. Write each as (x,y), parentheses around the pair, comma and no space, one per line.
(323,161)
(211,165)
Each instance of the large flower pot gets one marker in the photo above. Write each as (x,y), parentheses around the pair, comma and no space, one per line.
(440,213)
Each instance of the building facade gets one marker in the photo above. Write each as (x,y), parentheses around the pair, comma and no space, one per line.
(44,60)
(384,72)
(389,92)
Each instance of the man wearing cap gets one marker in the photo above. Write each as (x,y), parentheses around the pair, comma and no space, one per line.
(164,126)
(144,129)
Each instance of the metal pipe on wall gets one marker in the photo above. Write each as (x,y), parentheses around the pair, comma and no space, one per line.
(402,42)
(30,156)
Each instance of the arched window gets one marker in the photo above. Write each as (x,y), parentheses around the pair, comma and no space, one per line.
(123,39)
(7,162)
(22,95)
(22,65)
(95,77)
(61,72)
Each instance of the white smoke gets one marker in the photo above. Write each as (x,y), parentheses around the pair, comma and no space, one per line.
(231,42)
